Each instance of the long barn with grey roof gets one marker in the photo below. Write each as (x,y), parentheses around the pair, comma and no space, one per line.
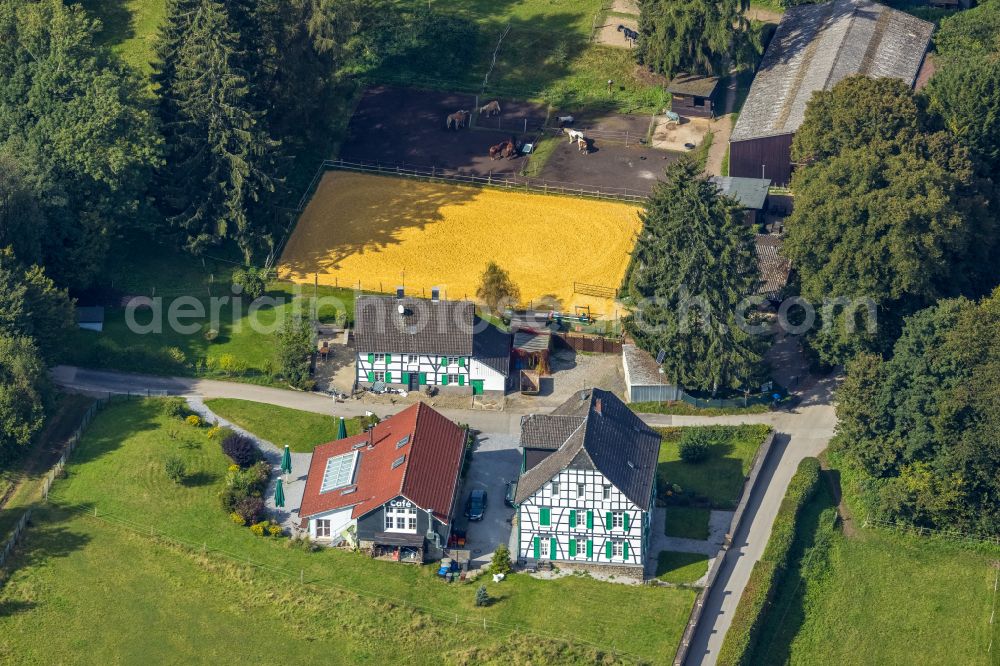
(814,48)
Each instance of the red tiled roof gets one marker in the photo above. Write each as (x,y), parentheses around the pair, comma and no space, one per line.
(428,476)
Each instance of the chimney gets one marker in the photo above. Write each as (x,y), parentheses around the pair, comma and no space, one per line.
(597,406)
(400,293)
(435,295)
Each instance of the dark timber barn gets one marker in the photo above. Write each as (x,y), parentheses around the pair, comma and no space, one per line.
(814,47)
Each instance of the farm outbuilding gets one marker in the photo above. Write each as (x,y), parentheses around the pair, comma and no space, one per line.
(643,380)
(814,48)
(750,192)
(90,317)
(693,95)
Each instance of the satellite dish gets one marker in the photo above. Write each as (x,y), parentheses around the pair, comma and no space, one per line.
(400,309)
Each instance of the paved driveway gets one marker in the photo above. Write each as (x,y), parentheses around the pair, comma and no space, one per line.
(495,461)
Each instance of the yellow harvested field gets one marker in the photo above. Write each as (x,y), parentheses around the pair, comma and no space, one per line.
(383,231)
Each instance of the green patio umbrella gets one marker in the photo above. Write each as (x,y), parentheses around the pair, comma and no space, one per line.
(279,494)
(286,461)
(342,429)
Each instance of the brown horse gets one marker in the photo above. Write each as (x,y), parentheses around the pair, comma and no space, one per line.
(457,120)
(503,150)
(491,109)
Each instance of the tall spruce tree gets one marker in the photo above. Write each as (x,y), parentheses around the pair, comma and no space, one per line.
(693,267)
(696,36)
(221,157)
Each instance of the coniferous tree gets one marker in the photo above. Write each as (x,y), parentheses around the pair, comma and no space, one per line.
(221,158)
(696,36)
(693,267)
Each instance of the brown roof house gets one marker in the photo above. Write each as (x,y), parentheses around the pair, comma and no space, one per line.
(393,489)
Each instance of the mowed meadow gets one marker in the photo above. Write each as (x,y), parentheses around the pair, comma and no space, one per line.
(386,232)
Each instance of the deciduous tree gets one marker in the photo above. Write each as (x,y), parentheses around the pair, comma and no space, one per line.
(496,289)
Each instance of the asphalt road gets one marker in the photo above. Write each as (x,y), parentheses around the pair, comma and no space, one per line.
(803,432)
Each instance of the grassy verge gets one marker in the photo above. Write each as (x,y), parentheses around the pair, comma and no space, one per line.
(680,568)
(768,571)
(20,481)
(687,522)
(701,152)
(680,408)
(60,585)
(544,147)
(301,431)
(717,480)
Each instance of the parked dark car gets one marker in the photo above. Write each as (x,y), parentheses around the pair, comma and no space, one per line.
(475,506)
(508,496)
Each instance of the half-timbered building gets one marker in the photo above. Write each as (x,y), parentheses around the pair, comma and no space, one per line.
(393,489)
(587,485)
(410,343)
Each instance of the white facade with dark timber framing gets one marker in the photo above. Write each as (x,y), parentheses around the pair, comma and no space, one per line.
(587,485)
(411,343)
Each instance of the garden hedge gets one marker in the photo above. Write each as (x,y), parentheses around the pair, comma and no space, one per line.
(738,645)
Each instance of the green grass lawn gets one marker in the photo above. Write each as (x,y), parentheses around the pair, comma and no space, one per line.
(129,28)
(680,568)
(301,431)
(687,522)
(879,597)
(717,480)
(20,479)
(159,598)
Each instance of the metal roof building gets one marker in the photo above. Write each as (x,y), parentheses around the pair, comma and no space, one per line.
(814,48)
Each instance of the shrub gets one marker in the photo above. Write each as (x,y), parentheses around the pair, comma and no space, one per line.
(176,355)
(250,509)
(740,641)
(259,528)
(174,467)
(275,530)
(237,518)
(230,365)
(218,432)
(193,420)
(210,334)
(501,560)
(175,408)
(253,280)
(695,444)
(241,449)
(482,596)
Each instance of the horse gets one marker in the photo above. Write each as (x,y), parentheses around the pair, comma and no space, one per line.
(457,120)
(574,135)
(630,34)
(503,150)
(491,109)
(583,144)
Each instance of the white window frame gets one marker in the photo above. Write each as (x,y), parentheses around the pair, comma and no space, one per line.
(379,358)
(400,519)
(543,547)
(322,528)
(606,491)
(618,520)
(618,549)
(555,489)
(581,519)
(453,379)
(452,360)
(581,490)
(379,375)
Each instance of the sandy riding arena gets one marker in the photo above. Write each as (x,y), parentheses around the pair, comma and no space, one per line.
(385,231)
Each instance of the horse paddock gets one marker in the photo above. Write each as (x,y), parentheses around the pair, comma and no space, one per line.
(379,232)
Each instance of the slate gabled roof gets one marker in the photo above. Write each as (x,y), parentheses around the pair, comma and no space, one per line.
(444,327)
(815,46)
(491,347)
(428,475)
(609,437)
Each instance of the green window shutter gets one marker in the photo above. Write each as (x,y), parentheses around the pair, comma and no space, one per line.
(538,548)
(444,380)
(626,521)
(544,516)
(625,549)
(572,519)
(371,376)
(388,377)
(590,520)
(461,380)
(423,379)
(607,520)
(590,549)
(444,361)
(607,549)
(388,359)
(461,361)
(371,358)
(572,547)
(406,378)
(552,548)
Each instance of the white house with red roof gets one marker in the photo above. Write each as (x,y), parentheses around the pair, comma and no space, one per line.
(394,488)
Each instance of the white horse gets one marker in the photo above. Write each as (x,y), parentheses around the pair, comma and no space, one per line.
(574,135)
(490,109)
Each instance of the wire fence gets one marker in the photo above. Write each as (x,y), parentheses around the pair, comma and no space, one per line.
(951,535)
(148,530)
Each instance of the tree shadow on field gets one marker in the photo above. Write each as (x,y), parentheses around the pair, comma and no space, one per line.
(116,20)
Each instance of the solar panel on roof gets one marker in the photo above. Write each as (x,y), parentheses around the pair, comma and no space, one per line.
(339,471)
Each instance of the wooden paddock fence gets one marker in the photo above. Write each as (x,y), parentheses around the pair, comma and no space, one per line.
(589,343)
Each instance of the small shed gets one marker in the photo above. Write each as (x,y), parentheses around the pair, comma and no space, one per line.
(90,317)
(775,269)
(750,192)
(693,95)
(531,349)
(643,380)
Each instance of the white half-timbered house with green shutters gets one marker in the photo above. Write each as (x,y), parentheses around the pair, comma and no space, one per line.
(587,484)
(410,343)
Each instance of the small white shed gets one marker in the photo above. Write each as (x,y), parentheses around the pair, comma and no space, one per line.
(643,380)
